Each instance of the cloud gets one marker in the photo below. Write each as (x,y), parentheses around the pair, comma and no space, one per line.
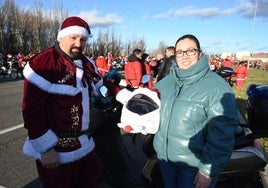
(188,11)
(215,42)
(94,18)
(261,9)
(144,16)
(246,9)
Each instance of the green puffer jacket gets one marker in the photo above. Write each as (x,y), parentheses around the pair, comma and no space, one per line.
(198,118)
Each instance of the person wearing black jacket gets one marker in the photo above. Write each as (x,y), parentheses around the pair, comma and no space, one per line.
(166,63)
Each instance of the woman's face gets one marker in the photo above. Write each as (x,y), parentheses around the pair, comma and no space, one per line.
(187,53)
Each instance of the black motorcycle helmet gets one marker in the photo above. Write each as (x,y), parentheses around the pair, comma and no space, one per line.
(141,104)
(257,108)
(225,71)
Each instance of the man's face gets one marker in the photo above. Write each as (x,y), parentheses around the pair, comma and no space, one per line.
(168,53)
(139,55)
(73,45)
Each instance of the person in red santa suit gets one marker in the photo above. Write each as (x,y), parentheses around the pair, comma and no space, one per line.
(227,62)
(110,60)
(147,70)
(241,73)
(102,64)
(60,82)
(214,65)
(134,70)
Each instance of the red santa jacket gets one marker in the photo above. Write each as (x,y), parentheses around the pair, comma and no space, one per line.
(133,72)
(148,71)
(241,72)
(102,65)
(56,99)
(227,63)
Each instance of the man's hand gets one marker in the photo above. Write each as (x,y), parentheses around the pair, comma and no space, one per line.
(50,159)
(202,181)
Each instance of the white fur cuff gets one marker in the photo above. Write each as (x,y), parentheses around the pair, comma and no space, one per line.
(44,142)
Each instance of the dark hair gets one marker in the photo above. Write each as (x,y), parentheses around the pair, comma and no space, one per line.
(144,56)
(136,51)
(171,48)
(189,36)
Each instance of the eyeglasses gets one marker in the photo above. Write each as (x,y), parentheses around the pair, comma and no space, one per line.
(189,52)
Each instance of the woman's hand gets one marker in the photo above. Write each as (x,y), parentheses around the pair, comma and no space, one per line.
(202,180)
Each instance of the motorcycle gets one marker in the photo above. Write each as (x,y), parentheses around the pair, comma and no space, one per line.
(105,114)
(9,69)
(138,166)
(248,159)
(116,64)
(121,162)
(227,73)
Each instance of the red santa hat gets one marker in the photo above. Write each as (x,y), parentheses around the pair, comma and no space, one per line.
(74,25)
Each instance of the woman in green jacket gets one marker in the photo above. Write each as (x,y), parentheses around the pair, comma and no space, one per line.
(197,122)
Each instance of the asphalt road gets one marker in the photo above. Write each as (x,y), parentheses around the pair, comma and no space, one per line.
(16,170)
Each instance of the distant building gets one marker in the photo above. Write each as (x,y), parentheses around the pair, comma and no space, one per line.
(245,56)
(224,55)
(263,57)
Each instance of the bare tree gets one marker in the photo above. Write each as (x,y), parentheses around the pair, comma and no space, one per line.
(33,30)
(25,30)
(9,26)
(54,18)
(2,28)
(161,48)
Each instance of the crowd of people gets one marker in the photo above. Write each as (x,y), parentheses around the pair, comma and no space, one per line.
(159,67)
(137,64)
(198,115)
(240,70)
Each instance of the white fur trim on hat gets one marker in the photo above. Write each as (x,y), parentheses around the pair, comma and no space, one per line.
(73,30)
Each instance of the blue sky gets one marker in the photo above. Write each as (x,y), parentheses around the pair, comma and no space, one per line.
(221,26)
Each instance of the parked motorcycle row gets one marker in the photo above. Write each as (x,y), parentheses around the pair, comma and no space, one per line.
(127,157)
(11,68)
(116,64)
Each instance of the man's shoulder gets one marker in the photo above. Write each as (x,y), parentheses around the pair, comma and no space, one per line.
(45,58)
(44,53)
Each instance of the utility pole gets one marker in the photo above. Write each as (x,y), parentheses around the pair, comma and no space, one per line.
(252,32)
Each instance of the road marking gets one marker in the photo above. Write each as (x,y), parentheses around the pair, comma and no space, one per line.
(10,129)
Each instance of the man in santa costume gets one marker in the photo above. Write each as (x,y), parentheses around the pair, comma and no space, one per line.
(60,83)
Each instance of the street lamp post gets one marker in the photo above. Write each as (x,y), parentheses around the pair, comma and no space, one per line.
(253,31)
